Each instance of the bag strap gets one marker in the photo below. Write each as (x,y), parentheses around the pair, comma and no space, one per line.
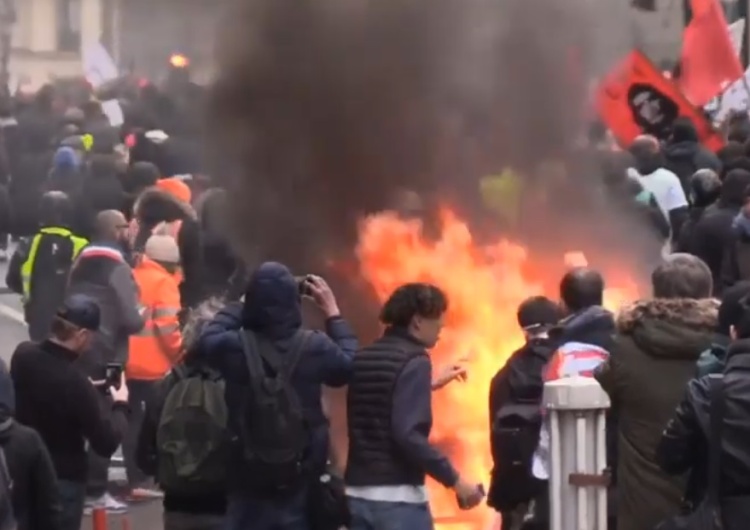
(259,350)
(716,424)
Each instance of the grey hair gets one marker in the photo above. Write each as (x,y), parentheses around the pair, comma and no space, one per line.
(198,318)
(682,276)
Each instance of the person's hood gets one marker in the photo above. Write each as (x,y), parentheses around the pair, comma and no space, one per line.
(685,150)
(593,325)
(154,206)
(65,159)
(272,302)
(670,328)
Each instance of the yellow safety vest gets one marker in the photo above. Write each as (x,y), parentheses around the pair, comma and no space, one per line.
(27,269)
(502,194)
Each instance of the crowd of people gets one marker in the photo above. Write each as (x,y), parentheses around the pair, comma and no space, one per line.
(148,332)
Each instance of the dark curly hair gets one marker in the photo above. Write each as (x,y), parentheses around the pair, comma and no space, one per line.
(413,299)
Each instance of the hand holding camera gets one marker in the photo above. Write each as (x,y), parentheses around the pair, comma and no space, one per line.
(317,289)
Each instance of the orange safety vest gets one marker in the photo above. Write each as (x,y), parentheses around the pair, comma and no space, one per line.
(157,347)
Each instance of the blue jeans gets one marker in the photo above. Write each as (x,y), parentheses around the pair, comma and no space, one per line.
(377,515)
(72,497)
(249,513)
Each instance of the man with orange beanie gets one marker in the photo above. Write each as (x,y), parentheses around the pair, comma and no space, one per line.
(169,202)
(157,347)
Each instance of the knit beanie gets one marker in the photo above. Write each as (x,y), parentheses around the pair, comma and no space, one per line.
(162,248)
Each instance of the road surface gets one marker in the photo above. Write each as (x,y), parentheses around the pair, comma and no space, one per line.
(12,331)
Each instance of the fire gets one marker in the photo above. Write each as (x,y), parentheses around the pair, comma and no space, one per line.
(484,285)
(178,60)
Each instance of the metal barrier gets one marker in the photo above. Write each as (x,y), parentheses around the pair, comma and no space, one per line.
(579,477)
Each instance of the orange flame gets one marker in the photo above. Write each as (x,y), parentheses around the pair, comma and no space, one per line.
(484,285)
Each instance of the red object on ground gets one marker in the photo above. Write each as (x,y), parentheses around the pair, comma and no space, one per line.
(99,519)
(709,62)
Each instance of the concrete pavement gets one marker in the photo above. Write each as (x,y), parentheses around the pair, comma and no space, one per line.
(146,516)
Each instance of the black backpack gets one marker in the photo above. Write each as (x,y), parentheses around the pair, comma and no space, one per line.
(7,517)
(273,431)
(192,439)
(515,432)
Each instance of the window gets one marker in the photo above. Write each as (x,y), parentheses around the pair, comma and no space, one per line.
(69,25)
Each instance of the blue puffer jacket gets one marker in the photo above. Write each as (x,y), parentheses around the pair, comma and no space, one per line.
(272,308)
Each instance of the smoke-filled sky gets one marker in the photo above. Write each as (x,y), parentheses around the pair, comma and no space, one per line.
(324,108)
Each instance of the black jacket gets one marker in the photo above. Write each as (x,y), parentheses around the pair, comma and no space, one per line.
(56,399)
(685,158)
(684,443)
(36,504)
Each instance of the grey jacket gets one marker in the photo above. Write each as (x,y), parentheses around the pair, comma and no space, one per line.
(102,273)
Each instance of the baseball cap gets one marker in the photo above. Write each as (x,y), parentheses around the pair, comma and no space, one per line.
(81,311)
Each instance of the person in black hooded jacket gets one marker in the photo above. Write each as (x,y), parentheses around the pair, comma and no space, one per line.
(684,155)
(520,381)
(36,501)
(713,232)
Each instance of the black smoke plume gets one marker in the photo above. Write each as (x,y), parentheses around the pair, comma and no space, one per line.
(323,109)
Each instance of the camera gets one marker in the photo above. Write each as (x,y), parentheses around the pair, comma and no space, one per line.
(113,375)
(303,284)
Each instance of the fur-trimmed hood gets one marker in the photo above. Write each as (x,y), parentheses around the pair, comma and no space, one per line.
(670,327)
(155,206)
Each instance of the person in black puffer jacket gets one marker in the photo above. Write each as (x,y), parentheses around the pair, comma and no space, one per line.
(705,187)
(520,382)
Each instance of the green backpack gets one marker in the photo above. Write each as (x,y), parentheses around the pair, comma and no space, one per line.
(192,439)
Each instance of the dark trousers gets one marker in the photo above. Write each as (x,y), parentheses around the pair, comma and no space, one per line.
(98,479)
(72,497)
(245,512)
(378,515)
(140,392)
(191,521)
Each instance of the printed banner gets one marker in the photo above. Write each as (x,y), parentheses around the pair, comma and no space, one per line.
(635,98)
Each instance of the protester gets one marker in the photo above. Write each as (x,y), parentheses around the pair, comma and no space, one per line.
(102,189)
(271,313)
(139,177)
(657,344)
(735,265)
(712,360)
(713,231)
(102,272)
(704,190)
(685,444)
(35,496)
(169,203)
(39,268)
(196,511)
(57,400)
(157,347)
(584,340)
(389,412)
(515,412)
(665,185)
(684,154)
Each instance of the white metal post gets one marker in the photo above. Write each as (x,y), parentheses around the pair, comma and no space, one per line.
(577,408)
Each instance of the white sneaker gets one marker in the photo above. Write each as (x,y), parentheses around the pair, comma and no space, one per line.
(107,502)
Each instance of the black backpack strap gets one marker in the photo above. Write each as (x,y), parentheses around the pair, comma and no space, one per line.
(268,353)
(717,407)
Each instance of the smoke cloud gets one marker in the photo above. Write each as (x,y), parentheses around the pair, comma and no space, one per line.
(323,109)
